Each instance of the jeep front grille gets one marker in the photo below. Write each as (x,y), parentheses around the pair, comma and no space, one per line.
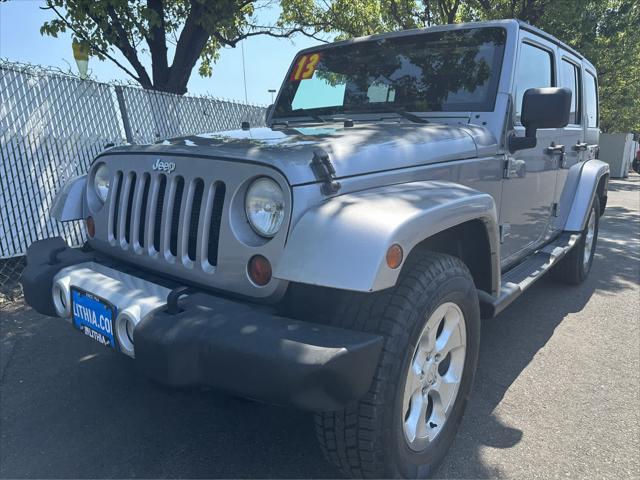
(167,217)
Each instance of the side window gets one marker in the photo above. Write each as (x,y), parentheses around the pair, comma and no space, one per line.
(591,97)
(571,80)
(381,93)
(534,71)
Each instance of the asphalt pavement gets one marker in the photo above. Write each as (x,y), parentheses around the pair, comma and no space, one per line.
(557,393)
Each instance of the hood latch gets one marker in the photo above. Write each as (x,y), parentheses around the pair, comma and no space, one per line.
(324,171)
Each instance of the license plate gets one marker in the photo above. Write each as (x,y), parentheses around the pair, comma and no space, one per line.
(93,316)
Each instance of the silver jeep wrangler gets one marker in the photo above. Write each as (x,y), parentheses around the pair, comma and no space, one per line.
(340,259)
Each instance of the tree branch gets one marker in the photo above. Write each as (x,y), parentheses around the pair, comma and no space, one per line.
(124,45)
(451,12)
(269,33)
(485,5)
(93,46)
(396,15)
(427,12)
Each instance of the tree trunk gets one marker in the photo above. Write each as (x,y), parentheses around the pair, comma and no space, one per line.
(158,47)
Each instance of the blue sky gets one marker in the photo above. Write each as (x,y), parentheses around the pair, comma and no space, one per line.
(266,58)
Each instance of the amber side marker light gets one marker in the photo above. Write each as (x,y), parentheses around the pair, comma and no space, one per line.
(91,227)
(394,256)
(259,270)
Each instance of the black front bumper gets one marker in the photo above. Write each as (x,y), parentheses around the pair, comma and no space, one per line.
(238,347)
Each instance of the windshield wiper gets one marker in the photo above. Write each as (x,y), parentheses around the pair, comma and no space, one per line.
(410,116)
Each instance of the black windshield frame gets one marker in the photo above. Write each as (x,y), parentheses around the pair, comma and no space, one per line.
(443,43)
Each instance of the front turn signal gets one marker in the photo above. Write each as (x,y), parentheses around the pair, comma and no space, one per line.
(394,256)
(259,270)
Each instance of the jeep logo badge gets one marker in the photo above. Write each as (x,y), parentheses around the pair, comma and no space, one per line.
(161,166)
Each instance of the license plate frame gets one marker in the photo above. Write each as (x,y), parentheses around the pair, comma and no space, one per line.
(86,311)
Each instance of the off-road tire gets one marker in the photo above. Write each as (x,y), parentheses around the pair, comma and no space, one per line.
(366,440)
(572,269)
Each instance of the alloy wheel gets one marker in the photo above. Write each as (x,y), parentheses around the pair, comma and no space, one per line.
(434,376)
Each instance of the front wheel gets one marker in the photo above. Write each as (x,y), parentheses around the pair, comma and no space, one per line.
(576,265)
(405,424)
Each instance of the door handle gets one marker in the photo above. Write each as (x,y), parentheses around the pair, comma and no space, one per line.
(579,147)
(554,149)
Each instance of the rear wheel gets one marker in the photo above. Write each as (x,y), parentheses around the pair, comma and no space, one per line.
(576,265)
(405,424)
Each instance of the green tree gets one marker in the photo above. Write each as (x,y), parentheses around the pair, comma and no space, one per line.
(197,29)
(353,18)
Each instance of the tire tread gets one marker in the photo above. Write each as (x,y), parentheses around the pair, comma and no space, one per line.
(349,438)
(570,269)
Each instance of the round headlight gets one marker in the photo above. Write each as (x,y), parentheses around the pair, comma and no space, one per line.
(102,182)
(264,205)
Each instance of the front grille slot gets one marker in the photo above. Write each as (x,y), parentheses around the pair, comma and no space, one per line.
(214,225)
(154,214)
(129,211)
(175,216)
(116,205)
(194,220)
(146,180)
(157,224)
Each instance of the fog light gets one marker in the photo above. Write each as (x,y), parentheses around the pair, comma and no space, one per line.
(259,270)
(91,227)
(394,256)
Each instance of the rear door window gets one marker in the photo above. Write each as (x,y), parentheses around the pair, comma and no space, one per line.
(591,97)
(571,80)
(535,70)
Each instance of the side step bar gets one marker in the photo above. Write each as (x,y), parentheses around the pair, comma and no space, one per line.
(525,274)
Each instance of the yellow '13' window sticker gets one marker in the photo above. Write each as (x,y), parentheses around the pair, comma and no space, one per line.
(305,66)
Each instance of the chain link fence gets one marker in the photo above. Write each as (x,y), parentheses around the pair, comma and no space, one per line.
(153,116)
(53,124)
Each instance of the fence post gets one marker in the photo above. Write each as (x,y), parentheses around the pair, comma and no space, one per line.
(123,113)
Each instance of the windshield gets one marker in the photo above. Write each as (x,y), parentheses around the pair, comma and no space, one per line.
(450,71)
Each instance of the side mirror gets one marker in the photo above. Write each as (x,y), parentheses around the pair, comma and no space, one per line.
(541,108)
(267,114)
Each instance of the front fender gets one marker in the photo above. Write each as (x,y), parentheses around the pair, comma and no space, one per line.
(578,192)
(342,243)
(68,202)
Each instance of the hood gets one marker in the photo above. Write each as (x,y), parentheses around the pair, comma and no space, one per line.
(361,149)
